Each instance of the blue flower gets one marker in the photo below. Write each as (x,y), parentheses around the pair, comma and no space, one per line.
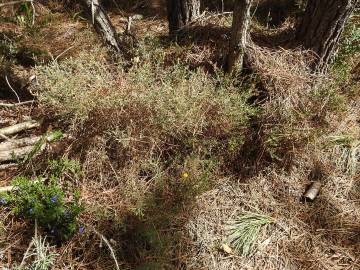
(31,210)
(54,198)
(81,229)
(3,201)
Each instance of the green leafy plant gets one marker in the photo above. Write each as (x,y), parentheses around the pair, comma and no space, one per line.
(244,232)
(46,201)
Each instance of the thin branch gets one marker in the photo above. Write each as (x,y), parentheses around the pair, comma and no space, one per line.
(68,49)
(102,237)
(8,83)
(9,105)
(19,127)
(34,12)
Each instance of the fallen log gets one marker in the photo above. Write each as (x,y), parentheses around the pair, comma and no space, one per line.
(15,154)
(13,144)
(25,147)
(18,128)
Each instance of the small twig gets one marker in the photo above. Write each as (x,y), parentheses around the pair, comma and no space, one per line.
(8,83)
(5,137)
(9,105)
(57,57)
(102,237)
(26,253)
(34,12)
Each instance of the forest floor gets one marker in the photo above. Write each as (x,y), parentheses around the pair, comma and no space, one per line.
(167,152)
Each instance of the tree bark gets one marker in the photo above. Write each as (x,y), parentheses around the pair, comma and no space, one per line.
(181,13)
(239,35)
(103,24)
(321,27)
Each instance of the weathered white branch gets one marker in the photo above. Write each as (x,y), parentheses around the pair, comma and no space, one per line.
(24,151)
(13,144)
(102,237)
(19,127)
(18,153)
(10,105)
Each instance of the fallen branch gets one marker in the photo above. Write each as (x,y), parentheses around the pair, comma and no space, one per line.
(28,146)
(12,89)
(19,127)
(13,144)
(10,105)
(15,154)
(102,237)
(7,166)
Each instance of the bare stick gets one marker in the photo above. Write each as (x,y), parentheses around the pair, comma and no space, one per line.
(10,105)
(19,127)
(24,151)
(13,144)
(8,83)
(15,154)
(34,12)
(7,166)
(102,237)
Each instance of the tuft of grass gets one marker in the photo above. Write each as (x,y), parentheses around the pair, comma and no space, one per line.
(349,148)
(244,232)
(44,258)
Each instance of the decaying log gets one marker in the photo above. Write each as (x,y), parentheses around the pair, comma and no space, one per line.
(13,144)
(15,154)
(103,24)
(18,128)
(21,148)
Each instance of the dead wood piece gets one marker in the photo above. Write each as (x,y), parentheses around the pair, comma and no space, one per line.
(312,191)
(15,154)
(13,144)
(103,24)
(7,166)
(27,146)
(10,105)
(19,127)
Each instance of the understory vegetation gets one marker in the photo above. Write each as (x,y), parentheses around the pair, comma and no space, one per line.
(168,163)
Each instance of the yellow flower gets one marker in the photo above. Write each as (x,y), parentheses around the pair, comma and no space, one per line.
(184,175)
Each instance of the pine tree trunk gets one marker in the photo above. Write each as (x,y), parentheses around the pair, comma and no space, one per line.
(103,24)
(181,13)
(321,27)
(239,34)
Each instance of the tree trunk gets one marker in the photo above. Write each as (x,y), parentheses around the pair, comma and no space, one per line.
(239,34)
(103,24)
(321,27)
(181,13)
